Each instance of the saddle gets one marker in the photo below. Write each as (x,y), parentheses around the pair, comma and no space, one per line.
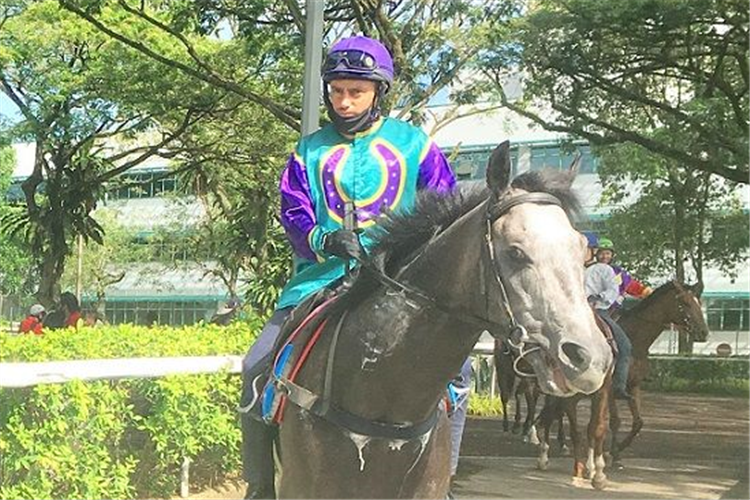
(299,333)
(607,332)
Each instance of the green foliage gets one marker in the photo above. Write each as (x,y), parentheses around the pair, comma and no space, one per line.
(16,276)
(669,76)
(728,376)
(66,441)
(482,405)
(704,214)
(120,439)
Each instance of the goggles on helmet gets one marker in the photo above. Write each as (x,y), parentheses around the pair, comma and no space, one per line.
(351,59)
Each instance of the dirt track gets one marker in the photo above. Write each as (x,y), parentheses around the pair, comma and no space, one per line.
(693,447)
(690,447)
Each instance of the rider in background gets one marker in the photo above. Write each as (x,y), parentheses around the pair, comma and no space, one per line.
(345,160)
(33,322)
(602,292)
(627,284)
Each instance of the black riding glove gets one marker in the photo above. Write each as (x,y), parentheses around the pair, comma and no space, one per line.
(343,243)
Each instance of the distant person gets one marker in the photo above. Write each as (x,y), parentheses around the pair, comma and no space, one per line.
(33,323)
(628,285)
(152,319)
(54,320)
(72,310)
(226,313)
(602,291)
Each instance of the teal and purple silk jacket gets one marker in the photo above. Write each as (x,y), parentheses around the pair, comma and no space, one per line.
(380,169)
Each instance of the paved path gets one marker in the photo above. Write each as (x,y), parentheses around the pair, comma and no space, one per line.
(691,447)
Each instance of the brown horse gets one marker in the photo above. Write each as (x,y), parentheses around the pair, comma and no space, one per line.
(590,449)
(670,303)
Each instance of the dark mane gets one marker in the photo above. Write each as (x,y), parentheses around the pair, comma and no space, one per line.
(664,289)
(402,234)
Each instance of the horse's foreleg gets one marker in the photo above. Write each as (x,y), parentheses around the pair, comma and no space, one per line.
(529,431)
(635,411)
(542,461)
(517,419)
(597,435)
(578,446)
(561,436)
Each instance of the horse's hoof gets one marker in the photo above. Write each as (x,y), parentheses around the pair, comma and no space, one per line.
(542,465)
(564,450)
(599,483)
(579,482)
(617,465)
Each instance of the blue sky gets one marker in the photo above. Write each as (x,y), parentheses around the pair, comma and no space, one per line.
(8,110)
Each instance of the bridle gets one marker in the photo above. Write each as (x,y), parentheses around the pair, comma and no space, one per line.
(322,406)
(518,335)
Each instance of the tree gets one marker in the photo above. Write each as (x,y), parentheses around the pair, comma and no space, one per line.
(431,41)
(682,220)
(16,274)
(671,77)
(234,168)
(104,264)
(83,98)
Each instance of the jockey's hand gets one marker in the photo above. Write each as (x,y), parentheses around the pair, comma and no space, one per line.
(343,243)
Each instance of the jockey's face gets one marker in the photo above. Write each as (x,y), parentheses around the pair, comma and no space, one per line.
(604,256)
(351,97)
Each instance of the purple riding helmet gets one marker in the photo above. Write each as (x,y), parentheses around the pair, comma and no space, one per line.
(358,58)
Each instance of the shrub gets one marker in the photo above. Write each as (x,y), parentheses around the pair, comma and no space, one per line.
(126,438)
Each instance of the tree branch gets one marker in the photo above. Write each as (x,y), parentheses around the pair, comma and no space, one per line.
(209,77)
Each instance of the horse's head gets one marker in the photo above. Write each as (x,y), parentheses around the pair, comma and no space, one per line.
(688,314)
(539,258)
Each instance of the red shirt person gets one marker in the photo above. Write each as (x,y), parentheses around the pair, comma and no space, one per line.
(33,322)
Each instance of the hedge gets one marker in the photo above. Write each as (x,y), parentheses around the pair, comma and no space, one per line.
(120,439)
(707,374)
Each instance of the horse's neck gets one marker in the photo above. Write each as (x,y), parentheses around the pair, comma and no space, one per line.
(451,268)
(646,324)
(400,352)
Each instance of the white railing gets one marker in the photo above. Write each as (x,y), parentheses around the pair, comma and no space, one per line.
(56,372)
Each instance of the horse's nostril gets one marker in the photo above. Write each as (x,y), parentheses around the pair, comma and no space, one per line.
(577,354)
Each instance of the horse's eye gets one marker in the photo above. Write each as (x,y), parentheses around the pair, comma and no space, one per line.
(517,254)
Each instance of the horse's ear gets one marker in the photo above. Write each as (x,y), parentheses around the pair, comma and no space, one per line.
(498,168)
(697,288)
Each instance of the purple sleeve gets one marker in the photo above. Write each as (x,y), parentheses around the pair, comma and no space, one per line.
(434,171)
(297,212)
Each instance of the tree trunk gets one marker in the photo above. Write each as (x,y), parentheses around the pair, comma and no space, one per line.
(684,343)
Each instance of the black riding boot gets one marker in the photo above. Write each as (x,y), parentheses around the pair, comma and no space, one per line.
(257,458)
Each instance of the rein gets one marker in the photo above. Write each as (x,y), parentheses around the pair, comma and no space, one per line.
(322,406)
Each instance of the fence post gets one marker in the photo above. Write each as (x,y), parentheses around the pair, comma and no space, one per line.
(185,478)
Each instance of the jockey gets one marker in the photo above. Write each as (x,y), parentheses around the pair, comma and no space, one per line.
(602,291)
(379,164)
(628,285)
